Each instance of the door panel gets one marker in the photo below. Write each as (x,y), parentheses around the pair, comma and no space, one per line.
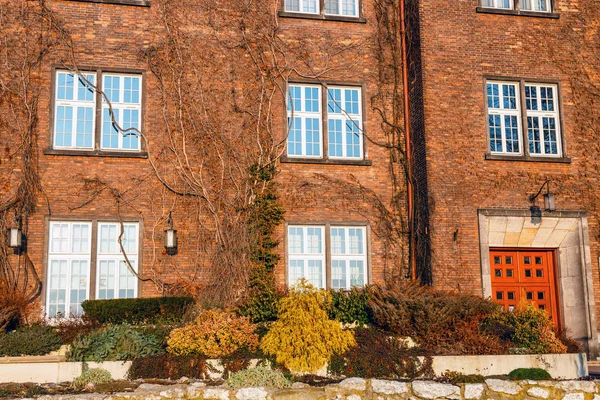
(527,275)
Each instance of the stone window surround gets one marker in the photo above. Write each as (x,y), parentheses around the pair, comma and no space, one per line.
(328,225)
(573,259)
(94,251)
(521,81)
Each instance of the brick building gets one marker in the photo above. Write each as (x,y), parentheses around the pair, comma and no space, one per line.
(502,96)
(508,91)
(121,145)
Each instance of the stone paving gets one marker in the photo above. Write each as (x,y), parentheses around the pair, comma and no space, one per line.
(358,388)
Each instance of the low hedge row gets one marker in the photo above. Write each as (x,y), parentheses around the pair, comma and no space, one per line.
(151,310)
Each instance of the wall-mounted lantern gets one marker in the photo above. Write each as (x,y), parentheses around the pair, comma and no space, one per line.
(170,237)
(549,203)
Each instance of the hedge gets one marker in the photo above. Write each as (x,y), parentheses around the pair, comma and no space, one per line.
(151,310)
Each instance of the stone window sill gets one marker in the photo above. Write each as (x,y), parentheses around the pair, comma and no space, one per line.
(329,161)
(287,14)
(561,160)
(96,153)
(139,3)
(485,10)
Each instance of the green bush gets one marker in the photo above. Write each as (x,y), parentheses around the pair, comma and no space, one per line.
(34,340)
(379,355)
(93,375)
(349,307)
(259,376)
(168,366)
(534,374)
(527,328)
(114,343)
(151,310)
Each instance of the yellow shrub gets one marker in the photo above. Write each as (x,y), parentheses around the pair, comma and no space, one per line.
(304,338)
(215,334)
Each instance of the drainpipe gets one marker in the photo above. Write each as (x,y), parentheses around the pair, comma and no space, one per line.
(408,146)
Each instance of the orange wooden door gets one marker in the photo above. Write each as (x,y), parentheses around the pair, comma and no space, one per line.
(527,275)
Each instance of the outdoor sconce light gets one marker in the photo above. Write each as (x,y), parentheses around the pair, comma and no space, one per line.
(170,238)
(549,204)
(15,238)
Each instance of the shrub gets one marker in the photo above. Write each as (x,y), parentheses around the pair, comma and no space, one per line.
(92,375)
(168,366)
(528,328)
(34,340)
(214,333)
(379,355)
(152,310)
(304,338)
(114,343)
(259,376)
(349,307)
(534,374)
(440,322)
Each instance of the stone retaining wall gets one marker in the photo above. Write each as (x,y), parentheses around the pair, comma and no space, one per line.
(357,389)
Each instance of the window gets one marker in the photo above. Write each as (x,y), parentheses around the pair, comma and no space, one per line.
(344,8)
(71,263)
(507,116)
(77,107)
(307,255)
(519,5)
(343,115)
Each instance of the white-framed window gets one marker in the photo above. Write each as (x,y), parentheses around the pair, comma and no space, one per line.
(124,92)
(344,124)
(74,111)
(506,115)
(341,8)
(521,5)
(76,106)
(71,264)
(346,8)
(115,280)
(307,255)
(69,253)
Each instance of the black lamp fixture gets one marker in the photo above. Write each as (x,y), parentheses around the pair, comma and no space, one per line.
(549,204)
(15,236)
(170,237)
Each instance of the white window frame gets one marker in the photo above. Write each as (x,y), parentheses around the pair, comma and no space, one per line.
(121,106)
(303,115)
(68,256)
(117,257)
(340,7)
(506,112)
(75,104)
(540,114)
(98,108)
(305,255)
(344,116)
(497,4)
(327,256)
(347,256)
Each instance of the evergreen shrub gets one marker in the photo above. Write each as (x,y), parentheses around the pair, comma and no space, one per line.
(33,340)
(304,338)
(144,310)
